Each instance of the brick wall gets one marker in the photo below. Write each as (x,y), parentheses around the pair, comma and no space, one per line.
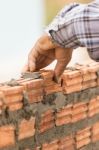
(39,114)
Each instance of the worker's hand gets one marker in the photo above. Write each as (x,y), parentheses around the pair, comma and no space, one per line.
(45,52)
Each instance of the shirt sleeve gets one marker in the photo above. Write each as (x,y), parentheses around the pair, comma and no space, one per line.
(61,28)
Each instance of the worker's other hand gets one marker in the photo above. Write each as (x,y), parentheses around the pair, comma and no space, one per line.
(45,52)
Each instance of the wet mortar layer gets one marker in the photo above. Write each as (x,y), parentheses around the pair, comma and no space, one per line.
(32,75)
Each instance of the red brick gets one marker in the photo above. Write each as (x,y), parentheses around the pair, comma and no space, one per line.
(49,82)
(92,101)
(83,136)
(72,81)
(95,129)
(34,99)
(53,89)
(26,128)
(36,92)
(47,116)
(72,74)
(33,94)
(7,137)
(32,84)
(93,104)
(84,70)
(83,130)
(66,142)
(47,74)
(45,126)
(89,76)
(95,138)
(67,148)
(93,112)
(15,106)
(51,146)
(47,119)
(73,88)
(67,110)
(83,142)
(13,98)
(79,107)
(46,113)
(7,90)
(79,116)
(89,84)
(63,120)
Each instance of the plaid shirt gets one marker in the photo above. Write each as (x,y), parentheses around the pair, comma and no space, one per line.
(77,25)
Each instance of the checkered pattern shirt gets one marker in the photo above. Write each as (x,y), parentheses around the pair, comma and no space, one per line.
(77,25)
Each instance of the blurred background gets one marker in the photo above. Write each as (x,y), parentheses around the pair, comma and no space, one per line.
(21,24)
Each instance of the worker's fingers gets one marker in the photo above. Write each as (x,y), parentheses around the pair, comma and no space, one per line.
(60,55)
(25,69)
(44,63)
(31,65)
(32,60)
(63,56)
(59,68)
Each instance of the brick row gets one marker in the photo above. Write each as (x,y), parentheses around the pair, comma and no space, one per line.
(70,113)
(73,113)
(74,141)
(81,78)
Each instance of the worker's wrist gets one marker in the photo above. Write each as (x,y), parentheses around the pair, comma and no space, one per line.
(46,43)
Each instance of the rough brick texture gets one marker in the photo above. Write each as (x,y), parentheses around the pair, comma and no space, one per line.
(39,114)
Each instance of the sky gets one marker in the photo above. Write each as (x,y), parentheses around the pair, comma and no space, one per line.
(21,23)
